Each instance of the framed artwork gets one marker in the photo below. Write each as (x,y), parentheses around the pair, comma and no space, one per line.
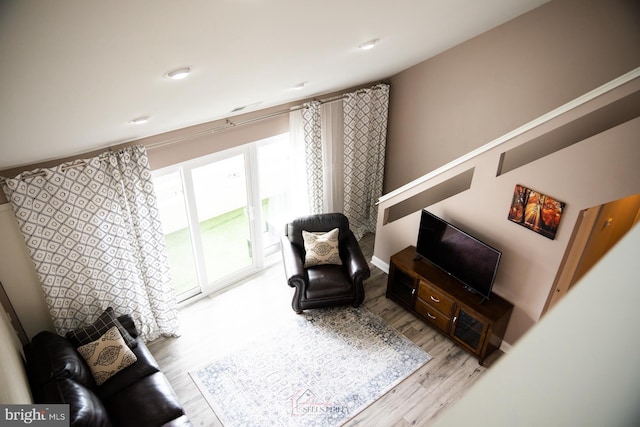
(536,211)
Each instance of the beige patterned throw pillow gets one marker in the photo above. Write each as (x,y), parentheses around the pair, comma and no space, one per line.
(321,248)
(107,355)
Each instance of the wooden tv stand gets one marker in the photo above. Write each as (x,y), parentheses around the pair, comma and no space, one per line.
(474,323)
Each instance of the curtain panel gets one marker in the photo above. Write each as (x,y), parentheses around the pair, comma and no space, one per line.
(313,156)
(93,231)
(365,136)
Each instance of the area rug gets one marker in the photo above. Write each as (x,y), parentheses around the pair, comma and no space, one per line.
(320,368)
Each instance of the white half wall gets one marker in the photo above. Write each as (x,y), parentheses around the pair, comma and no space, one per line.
(577,367)
(14,385)
(19,277)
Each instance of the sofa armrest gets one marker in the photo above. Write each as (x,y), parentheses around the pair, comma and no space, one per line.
(293,263)
(85,408)
(51,357)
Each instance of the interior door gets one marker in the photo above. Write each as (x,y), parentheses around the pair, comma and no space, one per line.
(597,230)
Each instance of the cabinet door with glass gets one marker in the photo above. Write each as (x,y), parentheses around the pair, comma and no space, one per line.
(469,329)
(402,287)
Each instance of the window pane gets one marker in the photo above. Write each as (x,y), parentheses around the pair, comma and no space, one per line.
(175,225)
(221,202)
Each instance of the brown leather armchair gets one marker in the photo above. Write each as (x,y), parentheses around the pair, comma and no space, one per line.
(324,285)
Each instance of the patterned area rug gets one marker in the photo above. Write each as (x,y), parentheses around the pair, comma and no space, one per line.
(320,369)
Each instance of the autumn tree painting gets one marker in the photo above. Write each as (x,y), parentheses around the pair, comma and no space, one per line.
(536,211)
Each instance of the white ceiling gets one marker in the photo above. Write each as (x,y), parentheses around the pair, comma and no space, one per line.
(75,72)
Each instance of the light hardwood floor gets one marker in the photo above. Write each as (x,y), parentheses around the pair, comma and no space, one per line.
(215,325)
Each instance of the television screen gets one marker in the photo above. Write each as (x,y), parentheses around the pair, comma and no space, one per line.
(457,253)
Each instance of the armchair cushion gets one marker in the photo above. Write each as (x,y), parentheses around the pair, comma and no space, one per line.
(325,281)
(321,248)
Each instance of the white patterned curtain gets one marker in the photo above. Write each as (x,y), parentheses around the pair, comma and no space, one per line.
(92,229)
(365,136)
(313,156)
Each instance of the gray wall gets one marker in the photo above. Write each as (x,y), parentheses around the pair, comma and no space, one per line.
(469,95)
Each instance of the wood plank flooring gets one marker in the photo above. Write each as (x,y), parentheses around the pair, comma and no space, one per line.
(218,324)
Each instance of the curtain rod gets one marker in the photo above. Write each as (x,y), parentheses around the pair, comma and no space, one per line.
(229,124)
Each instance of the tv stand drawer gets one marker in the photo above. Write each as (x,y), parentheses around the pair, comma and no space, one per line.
(432,315)
(435,298)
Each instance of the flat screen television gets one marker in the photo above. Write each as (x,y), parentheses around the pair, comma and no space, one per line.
(458,254)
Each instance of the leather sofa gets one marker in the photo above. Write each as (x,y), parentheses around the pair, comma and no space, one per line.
(138,395)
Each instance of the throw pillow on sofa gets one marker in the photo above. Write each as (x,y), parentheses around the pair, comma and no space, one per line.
(107,355)
(89,333)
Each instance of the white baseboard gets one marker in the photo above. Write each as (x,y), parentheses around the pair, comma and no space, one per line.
(505,347)
(380,264)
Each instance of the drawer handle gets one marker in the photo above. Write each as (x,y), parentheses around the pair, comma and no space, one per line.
(434,299)
(431,316)
(413,291)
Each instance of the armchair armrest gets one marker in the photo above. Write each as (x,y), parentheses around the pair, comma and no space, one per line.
(354,259)
(293,263)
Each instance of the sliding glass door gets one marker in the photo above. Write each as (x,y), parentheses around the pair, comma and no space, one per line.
(223,215)
(175,223)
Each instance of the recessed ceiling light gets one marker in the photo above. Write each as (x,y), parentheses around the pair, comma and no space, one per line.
(299,86)
(140,120)
(180,73)
(369,44)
